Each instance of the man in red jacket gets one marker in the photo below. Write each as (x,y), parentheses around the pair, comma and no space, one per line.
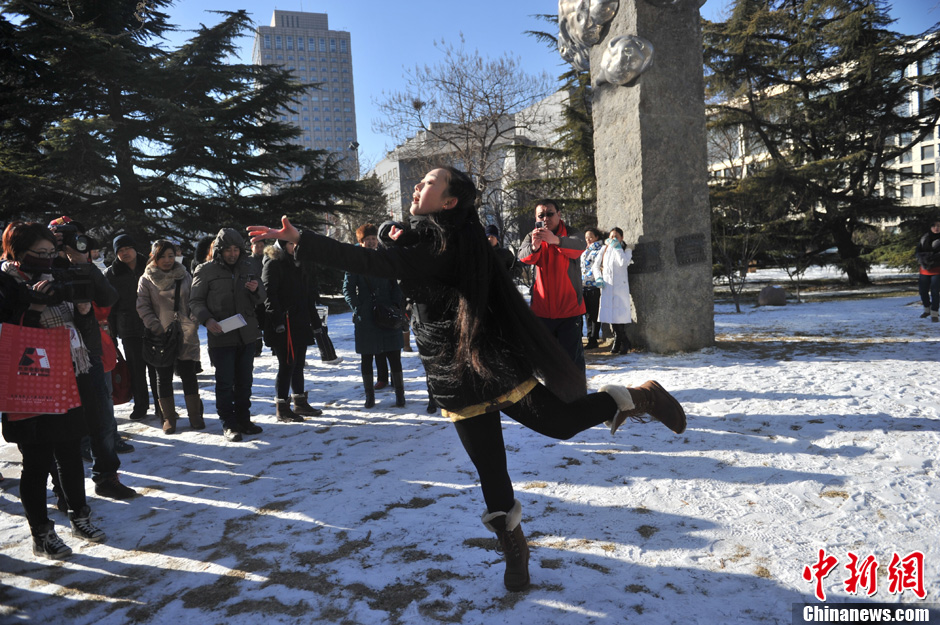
(555,250)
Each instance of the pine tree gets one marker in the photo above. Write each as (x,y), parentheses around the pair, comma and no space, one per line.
(102,123)
(817,90)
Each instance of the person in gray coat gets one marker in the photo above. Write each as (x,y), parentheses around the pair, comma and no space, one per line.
(228,285)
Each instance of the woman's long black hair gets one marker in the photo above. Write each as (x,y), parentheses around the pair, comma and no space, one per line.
(487,295)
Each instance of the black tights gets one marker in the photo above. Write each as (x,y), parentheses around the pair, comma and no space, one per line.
(38,461)
(541,411)
(290,373)
(394,362)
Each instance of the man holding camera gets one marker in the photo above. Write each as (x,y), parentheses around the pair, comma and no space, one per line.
(85,283)
(555,250)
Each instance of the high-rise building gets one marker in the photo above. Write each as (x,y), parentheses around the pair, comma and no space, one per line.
(325,114)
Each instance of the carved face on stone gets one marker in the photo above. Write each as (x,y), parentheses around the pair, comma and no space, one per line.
(583,20)
(577,55)
(624,59)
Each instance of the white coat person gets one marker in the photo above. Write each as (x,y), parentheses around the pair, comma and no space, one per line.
(610,271)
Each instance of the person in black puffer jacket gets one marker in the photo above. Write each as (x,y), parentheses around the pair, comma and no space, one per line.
(928,257)
(484,350)
(289,321)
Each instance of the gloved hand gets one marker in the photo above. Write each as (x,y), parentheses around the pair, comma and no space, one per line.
(599,282)
(613,242)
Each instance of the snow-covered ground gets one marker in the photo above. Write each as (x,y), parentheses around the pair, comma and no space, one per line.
(812,426)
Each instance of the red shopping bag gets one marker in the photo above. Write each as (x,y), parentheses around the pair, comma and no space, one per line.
(121,389)
(36,374)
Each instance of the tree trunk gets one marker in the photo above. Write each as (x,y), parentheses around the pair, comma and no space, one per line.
(856,269)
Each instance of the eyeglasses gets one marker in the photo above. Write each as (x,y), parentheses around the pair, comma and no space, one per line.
(42,254)
(545,215)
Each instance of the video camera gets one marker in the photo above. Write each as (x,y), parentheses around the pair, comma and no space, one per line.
(71,238)
(73,284)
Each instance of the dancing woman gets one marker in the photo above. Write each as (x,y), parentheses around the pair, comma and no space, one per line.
(483,349)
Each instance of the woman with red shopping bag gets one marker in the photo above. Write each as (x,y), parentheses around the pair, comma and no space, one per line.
(32,298)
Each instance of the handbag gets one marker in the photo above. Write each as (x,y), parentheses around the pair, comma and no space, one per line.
(37,377)
(122,391)
(160,350)
(387,316)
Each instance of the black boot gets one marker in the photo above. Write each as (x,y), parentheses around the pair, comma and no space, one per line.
(615,348)
(513,544)
(367,382)
(398,381)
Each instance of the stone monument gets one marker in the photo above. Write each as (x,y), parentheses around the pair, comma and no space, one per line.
(645,58)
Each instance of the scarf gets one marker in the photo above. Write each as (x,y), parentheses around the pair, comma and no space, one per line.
(165,280)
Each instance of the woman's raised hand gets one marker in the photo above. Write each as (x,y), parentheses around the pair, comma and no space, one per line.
(287,232)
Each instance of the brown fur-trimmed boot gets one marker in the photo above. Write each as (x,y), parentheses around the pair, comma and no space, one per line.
(168,410)
(194,409)
(303,407)
(647,399)
(285,414)
(512,544)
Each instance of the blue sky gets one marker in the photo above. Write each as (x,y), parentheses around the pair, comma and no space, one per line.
(388,37)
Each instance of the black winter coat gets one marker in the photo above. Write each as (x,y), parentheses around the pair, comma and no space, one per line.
(928,251)
(286,297)
(429,280)
(124,320)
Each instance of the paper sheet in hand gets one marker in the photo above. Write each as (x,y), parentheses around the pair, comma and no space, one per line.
(233,323)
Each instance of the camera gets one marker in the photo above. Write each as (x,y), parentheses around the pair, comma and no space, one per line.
(540,224)
(71,238)
(67,285)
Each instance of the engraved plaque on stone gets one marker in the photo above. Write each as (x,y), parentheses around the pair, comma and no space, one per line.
(690,249)
(646,258)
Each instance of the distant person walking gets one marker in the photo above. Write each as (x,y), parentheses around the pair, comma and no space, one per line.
(928,257)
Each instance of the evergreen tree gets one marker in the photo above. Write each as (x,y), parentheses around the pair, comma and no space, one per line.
(817,91)
(565,170)
(102,123)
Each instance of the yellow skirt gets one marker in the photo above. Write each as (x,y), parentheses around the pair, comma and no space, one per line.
(503,401)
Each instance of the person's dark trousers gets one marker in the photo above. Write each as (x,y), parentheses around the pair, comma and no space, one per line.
(65,459)
(234,367)
(568,333)
(134,355)
(540,410)
(99,418)
(592,302)
(290,374)
(930,291)
(187,373)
